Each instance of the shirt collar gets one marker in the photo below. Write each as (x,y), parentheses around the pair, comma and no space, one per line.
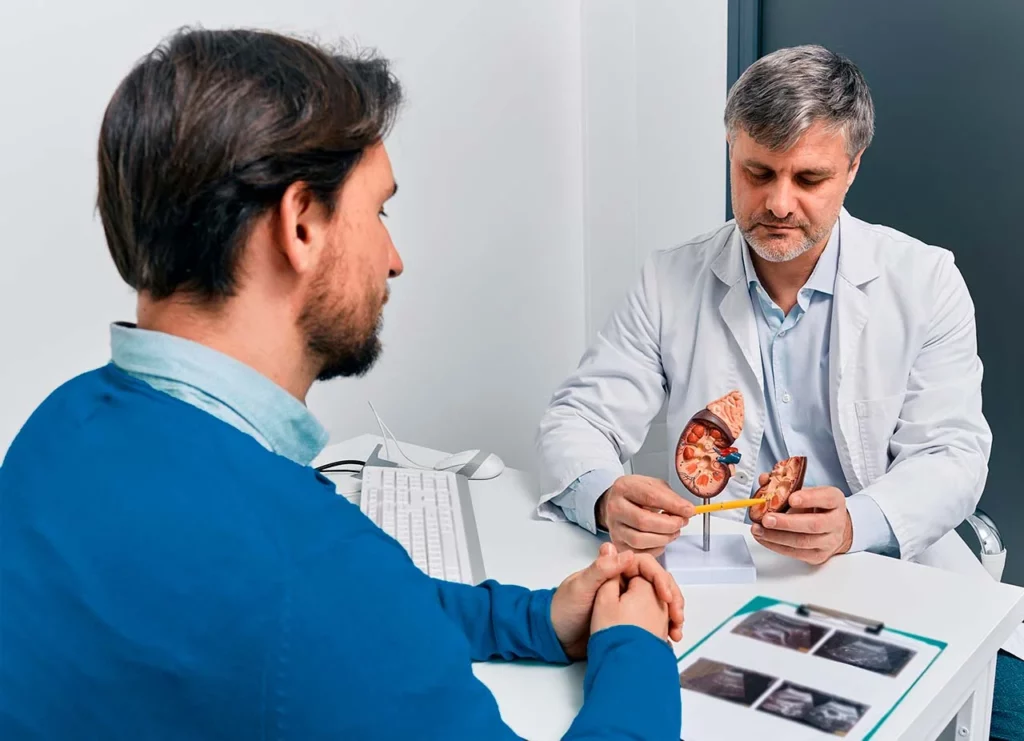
(284,422)
(822,278)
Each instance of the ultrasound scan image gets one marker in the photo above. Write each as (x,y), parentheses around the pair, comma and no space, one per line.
(724,681)
(827,713)
(866,653)
(779,630)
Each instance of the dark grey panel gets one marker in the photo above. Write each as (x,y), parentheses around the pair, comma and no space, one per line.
(946,166)
(744,48)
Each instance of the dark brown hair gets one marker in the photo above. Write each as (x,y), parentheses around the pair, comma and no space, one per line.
(207,132)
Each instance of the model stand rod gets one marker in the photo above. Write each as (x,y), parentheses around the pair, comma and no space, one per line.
(707,528)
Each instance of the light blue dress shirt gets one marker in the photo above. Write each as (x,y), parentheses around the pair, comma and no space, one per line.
(228,389)
(796,400)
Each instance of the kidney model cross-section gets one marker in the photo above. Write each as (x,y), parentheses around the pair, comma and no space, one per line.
(705,456)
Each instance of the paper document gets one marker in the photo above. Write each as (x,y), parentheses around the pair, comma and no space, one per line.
(768,672)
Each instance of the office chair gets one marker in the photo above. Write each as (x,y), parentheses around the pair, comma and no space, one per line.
(991,550)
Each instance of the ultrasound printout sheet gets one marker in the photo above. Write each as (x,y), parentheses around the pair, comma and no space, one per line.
(768,672)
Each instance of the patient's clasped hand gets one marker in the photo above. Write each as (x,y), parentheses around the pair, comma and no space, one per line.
(618,588)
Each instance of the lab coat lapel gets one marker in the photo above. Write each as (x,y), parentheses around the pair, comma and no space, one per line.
(857,266)
(735,307)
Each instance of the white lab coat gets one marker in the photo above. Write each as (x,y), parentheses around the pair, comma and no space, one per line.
(905,377)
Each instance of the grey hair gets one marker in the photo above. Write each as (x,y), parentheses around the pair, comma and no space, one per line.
(782,94)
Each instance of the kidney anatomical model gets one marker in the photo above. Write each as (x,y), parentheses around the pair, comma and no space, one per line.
(705,456)
(785,478)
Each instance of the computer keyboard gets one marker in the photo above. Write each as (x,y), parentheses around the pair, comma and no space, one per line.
(430,513)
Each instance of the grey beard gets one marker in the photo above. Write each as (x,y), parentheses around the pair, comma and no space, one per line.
(768,253)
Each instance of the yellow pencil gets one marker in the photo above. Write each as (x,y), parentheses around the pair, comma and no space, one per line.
(737,504)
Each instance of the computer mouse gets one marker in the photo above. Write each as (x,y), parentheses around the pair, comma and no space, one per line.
(473,464)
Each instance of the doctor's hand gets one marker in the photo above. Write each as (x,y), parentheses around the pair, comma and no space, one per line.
(573,604)
(642,514)
(816,527)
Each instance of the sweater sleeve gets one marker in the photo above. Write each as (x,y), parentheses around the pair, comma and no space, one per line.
(631,690)
(503,621)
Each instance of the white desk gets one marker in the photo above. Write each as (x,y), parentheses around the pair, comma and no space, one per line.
(970,611)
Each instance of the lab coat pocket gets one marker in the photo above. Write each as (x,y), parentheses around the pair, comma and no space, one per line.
(876,421)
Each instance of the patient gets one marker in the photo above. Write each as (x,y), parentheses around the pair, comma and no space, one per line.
(172,567)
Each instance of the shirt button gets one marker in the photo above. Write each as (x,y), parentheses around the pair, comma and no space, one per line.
(741,476)
(786,398)
(782,333)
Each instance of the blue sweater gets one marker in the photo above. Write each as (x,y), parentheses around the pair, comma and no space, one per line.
(165,576)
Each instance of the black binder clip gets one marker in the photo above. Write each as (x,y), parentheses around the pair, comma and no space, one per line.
(871,626)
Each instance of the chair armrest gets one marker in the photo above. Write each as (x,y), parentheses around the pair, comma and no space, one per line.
(992,552)
(988,534)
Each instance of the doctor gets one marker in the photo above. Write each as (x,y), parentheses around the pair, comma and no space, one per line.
(853,344)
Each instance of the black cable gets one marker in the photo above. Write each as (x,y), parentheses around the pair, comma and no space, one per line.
(330,467)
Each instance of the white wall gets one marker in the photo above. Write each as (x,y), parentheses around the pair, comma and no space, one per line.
(495,305)
(654,94)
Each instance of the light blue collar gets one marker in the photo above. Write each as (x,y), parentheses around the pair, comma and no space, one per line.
(221,385)
(822,278)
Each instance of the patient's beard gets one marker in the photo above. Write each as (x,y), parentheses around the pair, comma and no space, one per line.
(343,339)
